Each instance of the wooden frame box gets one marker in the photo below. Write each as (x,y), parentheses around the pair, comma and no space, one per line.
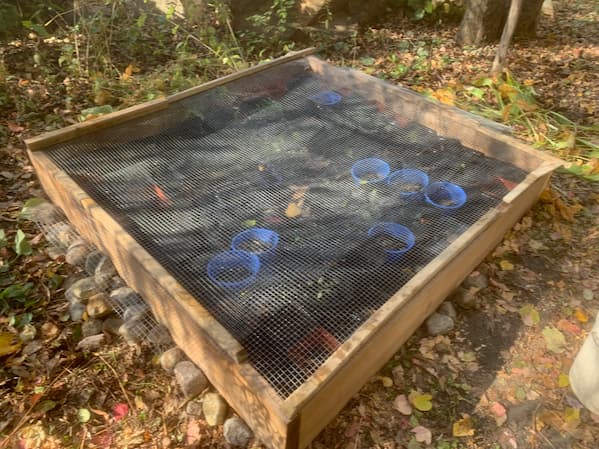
(294,421)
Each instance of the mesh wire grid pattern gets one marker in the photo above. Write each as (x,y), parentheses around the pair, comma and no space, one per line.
(259,151)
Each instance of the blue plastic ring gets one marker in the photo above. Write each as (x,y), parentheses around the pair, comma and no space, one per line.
(370,166)
(225,261)
(394,230)
(445,195)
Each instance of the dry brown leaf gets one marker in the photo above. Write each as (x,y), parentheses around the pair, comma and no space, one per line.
(294,209)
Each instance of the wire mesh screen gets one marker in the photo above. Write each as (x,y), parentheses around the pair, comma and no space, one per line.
(275,154)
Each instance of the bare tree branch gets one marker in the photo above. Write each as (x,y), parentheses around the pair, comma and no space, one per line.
(506,36)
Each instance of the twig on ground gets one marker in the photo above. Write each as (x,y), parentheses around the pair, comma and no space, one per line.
(116,376)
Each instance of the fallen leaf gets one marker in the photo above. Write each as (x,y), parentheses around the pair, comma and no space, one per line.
(571,418)
(84,415)
(119,411)
(529,315)
(248,223)
(422,434)
(193,434)
(581,315)
(587,294)
(422,401)
(569,327)
(14,127)
(563,380)
(463,427)
(402,405)
(294,209)
(9,343)
(506,265)
(554,340)
(386,381)
(499,413)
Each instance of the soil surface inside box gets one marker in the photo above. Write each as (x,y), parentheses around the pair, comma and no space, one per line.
(266,151)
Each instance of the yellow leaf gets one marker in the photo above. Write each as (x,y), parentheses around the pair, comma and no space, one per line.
(446,96)
(581,315)
(387,381)
(563,380)
(9,344)
(571,418)
(422,401)
(463,427)
(294,209)
(506,265)
(127,73)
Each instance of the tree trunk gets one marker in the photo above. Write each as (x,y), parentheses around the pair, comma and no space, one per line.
(506,36)
(482,22)
(529,18)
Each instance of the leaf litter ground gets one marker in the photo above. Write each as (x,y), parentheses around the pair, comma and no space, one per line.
(499,380)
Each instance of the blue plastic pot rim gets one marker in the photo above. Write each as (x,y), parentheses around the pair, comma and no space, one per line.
(249,261)
(326,98)
(456,194)
(372,165)
(394,230)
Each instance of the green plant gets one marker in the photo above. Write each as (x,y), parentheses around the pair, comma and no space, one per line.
(274,23)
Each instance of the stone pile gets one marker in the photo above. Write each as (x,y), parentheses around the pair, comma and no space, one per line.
(105,305)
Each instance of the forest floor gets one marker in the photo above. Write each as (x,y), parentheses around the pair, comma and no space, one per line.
(498,380)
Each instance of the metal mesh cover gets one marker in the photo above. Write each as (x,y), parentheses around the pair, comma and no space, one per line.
(275,150)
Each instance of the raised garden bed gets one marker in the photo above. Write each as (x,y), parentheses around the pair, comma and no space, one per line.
(293,321)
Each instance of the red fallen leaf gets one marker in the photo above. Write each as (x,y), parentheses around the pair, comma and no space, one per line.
(507,183)
(103,439)
(161,195)
(401,120)
(14,127)
(119,411)
(569,327)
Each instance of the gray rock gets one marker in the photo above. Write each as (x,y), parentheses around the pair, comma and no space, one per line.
(132,332)
(76,311)
(448,309)
(82,290)
(466,299)
(438,324)
(123,297)
(170,358)
(91,342)
(117,282)
(236,432)
(55,252)
(61,234)
(98,306)
(190,378)
(477,280)
(136,312)
(111,325)
(214,408)
(91,327)
(104,273)
(194,407)
(91,261)
(77,253)
(160,336)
